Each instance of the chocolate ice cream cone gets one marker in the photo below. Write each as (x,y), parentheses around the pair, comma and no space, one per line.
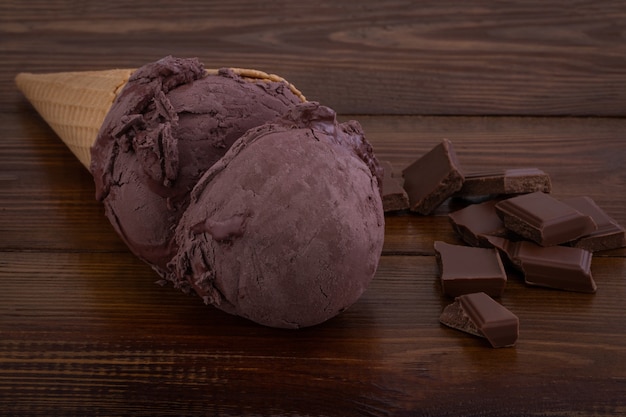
(170,139)
(75,104)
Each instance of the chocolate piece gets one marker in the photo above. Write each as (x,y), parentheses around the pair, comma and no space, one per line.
(464,270)
(609,235)
(509,181)
(475,221)
(394,196)
(544,219)
(433,178)
(481,315)
(559,267)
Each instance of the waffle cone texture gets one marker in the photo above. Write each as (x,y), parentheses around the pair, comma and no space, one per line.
(75,104)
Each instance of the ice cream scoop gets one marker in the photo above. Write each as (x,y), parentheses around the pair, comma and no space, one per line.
(167,126)
(287,228)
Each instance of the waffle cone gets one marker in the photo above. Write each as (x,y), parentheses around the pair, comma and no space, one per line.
(75,104)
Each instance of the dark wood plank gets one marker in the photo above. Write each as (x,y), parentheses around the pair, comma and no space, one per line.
(93,334)
(392,57)
(44,184)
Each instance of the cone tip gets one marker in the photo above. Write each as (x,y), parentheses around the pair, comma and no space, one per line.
(20,78)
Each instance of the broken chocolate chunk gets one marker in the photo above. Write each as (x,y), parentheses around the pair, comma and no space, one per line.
(431,179)
(544,219)
(475,221)
(558,267)
(465,269)
(609,234)
(394,195)
(481,315)
(507,182)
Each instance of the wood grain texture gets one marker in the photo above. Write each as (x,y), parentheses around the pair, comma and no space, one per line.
(84,329)
(584,156)
(103,340)
(393,57)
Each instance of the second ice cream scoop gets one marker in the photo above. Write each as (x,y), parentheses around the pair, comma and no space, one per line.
(287,228)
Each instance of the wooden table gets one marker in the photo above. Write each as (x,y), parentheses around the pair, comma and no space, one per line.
(84,330)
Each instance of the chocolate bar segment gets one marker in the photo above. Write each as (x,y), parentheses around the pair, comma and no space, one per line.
(465,269)
(431,179)
(558,267)
(544,219)
(394,195)
(474,222)
(609,234)
(509,181)
(481,315)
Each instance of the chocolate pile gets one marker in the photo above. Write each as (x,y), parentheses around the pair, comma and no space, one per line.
(510,216)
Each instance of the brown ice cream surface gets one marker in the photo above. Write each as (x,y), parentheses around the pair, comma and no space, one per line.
(169,124)
(287,228)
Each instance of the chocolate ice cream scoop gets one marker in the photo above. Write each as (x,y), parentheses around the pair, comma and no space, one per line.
(170,123)
(287,228)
